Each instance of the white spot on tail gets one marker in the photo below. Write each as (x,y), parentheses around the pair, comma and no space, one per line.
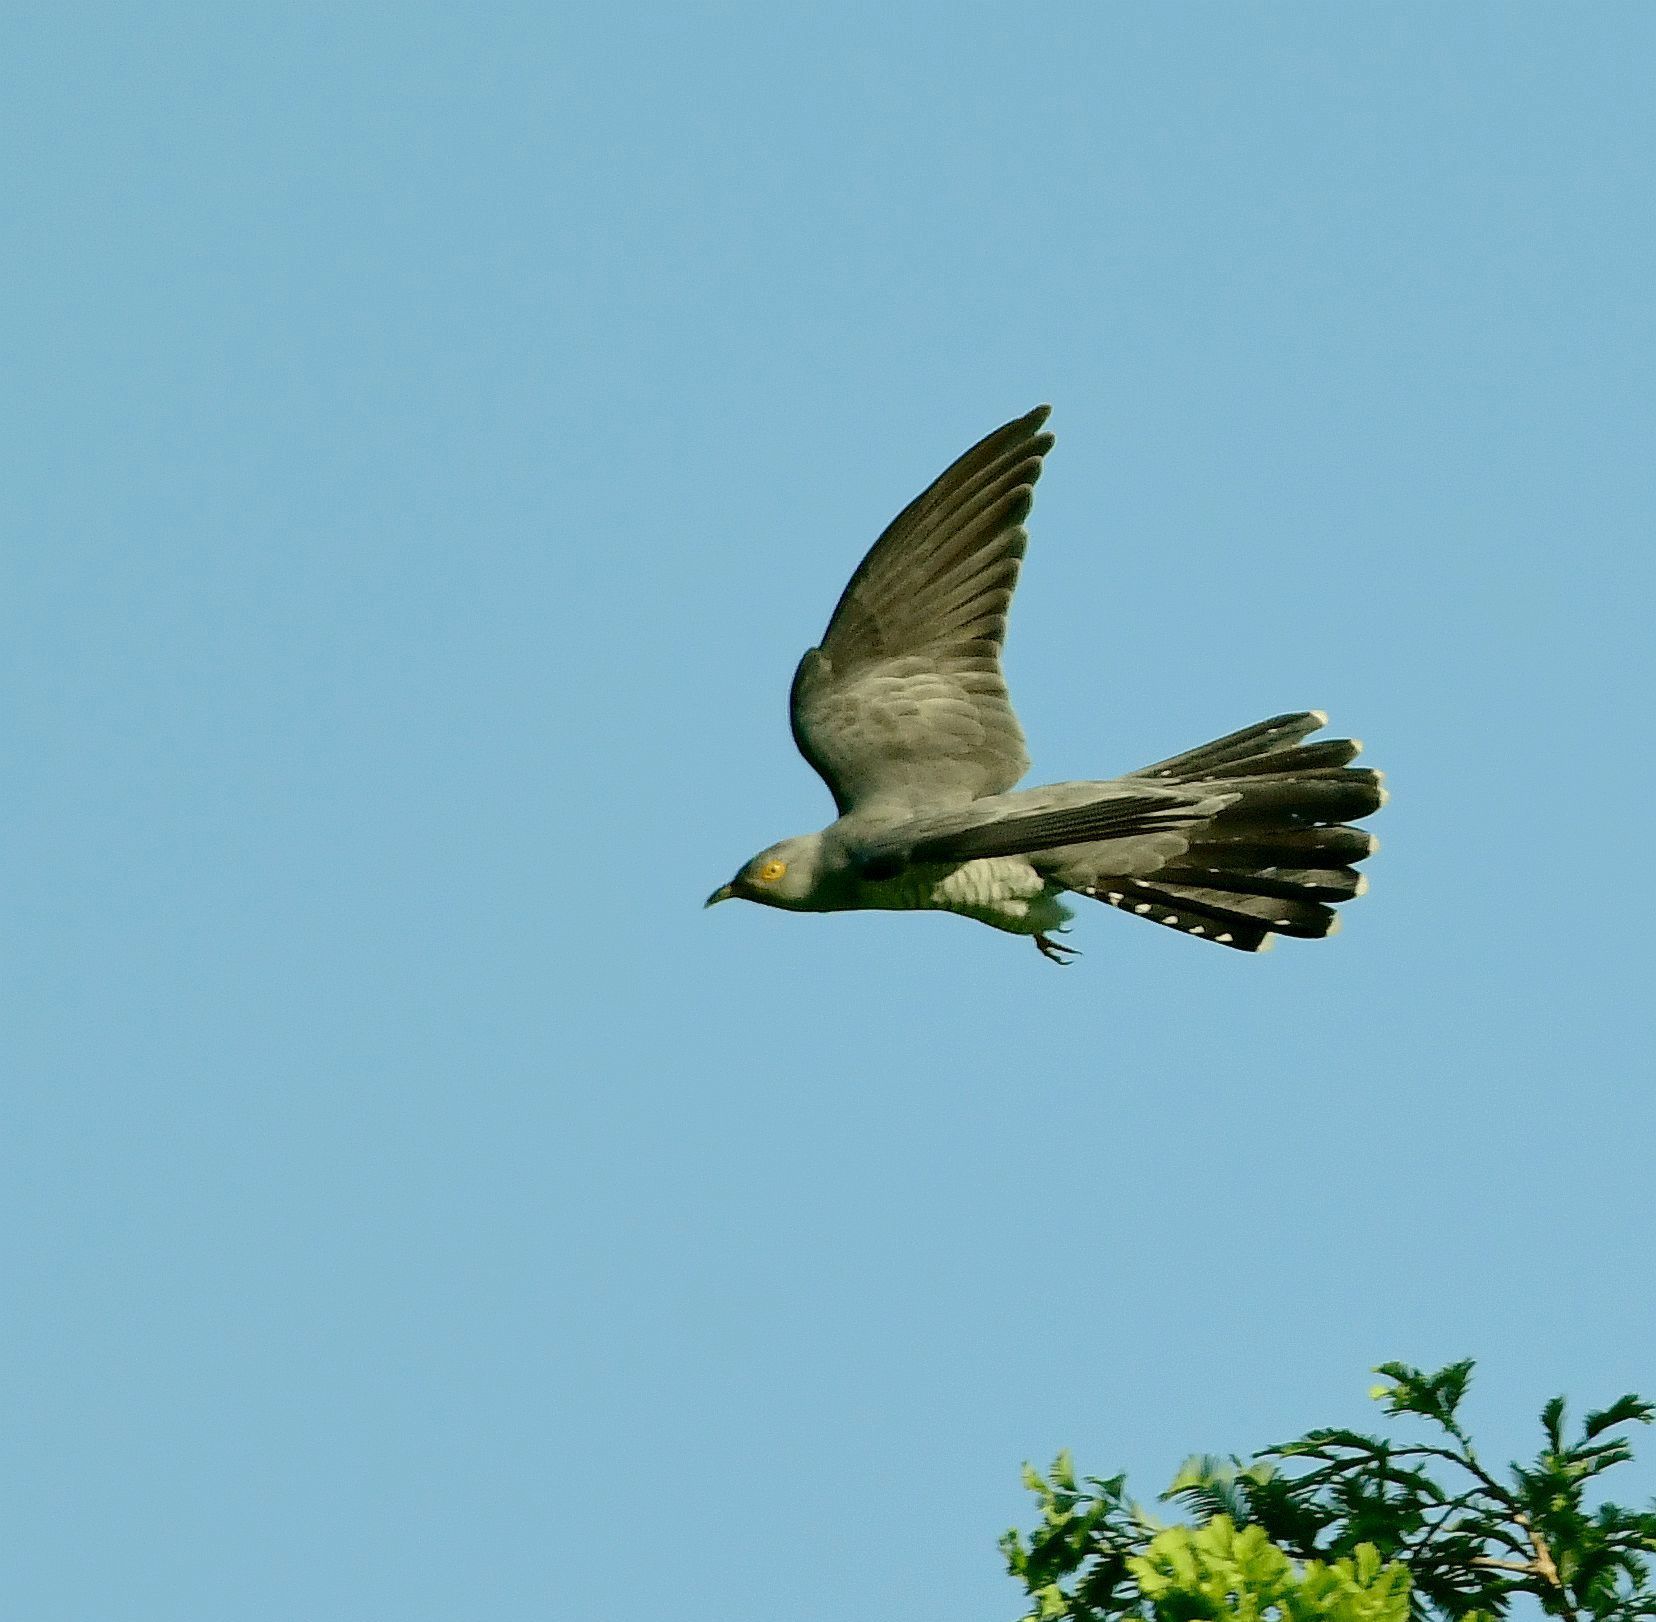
(1321,718)
(1362,884)
(1142,907)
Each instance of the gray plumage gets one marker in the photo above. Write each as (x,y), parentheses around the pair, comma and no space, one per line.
(904,712)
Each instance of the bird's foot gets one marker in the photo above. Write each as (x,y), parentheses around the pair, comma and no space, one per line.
(1055,951)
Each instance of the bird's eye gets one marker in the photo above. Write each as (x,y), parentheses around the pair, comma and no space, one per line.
(772,871)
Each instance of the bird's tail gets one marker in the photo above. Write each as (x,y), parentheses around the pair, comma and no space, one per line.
(1279,858)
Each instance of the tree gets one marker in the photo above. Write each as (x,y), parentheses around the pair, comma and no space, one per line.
(1340,1526)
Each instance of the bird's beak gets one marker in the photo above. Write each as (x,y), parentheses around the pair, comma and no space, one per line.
(723,893)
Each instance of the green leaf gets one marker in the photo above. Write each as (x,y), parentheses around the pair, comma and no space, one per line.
(1552,1423)
(1436,1396)
(1220,1572)
(1623,1411)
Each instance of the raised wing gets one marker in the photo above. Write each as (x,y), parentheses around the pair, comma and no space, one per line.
(903,705)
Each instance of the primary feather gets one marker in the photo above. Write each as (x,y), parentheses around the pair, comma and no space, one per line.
(903,703)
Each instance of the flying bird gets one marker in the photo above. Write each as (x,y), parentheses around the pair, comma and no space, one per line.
(904,713)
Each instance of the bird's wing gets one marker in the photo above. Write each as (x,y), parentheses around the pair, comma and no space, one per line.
(1037,820)
(903,705)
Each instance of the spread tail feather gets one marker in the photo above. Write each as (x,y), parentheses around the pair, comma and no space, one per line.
(1275,860)
(1281,732)
(1205,914)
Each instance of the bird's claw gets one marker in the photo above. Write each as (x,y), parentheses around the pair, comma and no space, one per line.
(1055,951)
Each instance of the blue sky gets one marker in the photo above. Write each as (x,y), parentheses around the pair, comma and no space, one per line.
(436,435)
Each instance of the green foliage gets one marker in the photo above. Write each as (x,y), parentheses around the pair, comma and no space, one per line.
(1462,1539)
(1220,1572)
(1088,1532)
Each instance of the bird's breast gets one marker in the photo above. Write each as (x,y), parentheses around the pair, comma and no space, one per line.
(1003,891)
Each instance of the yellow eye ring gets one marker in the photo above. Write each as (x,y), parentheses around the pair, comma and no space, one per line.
(772,871)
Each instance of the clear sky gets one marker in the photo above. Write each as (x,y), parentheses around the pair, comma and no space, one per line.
(437,431)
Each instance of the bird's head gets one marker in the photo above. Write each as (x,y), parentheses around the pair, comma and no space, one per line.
(784,875)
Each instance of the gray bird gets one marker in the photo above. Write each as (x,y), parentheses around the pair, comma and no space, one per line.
(904,713)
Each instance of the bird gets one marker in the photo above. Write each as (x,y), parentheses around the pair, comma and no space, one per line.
(903,711)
